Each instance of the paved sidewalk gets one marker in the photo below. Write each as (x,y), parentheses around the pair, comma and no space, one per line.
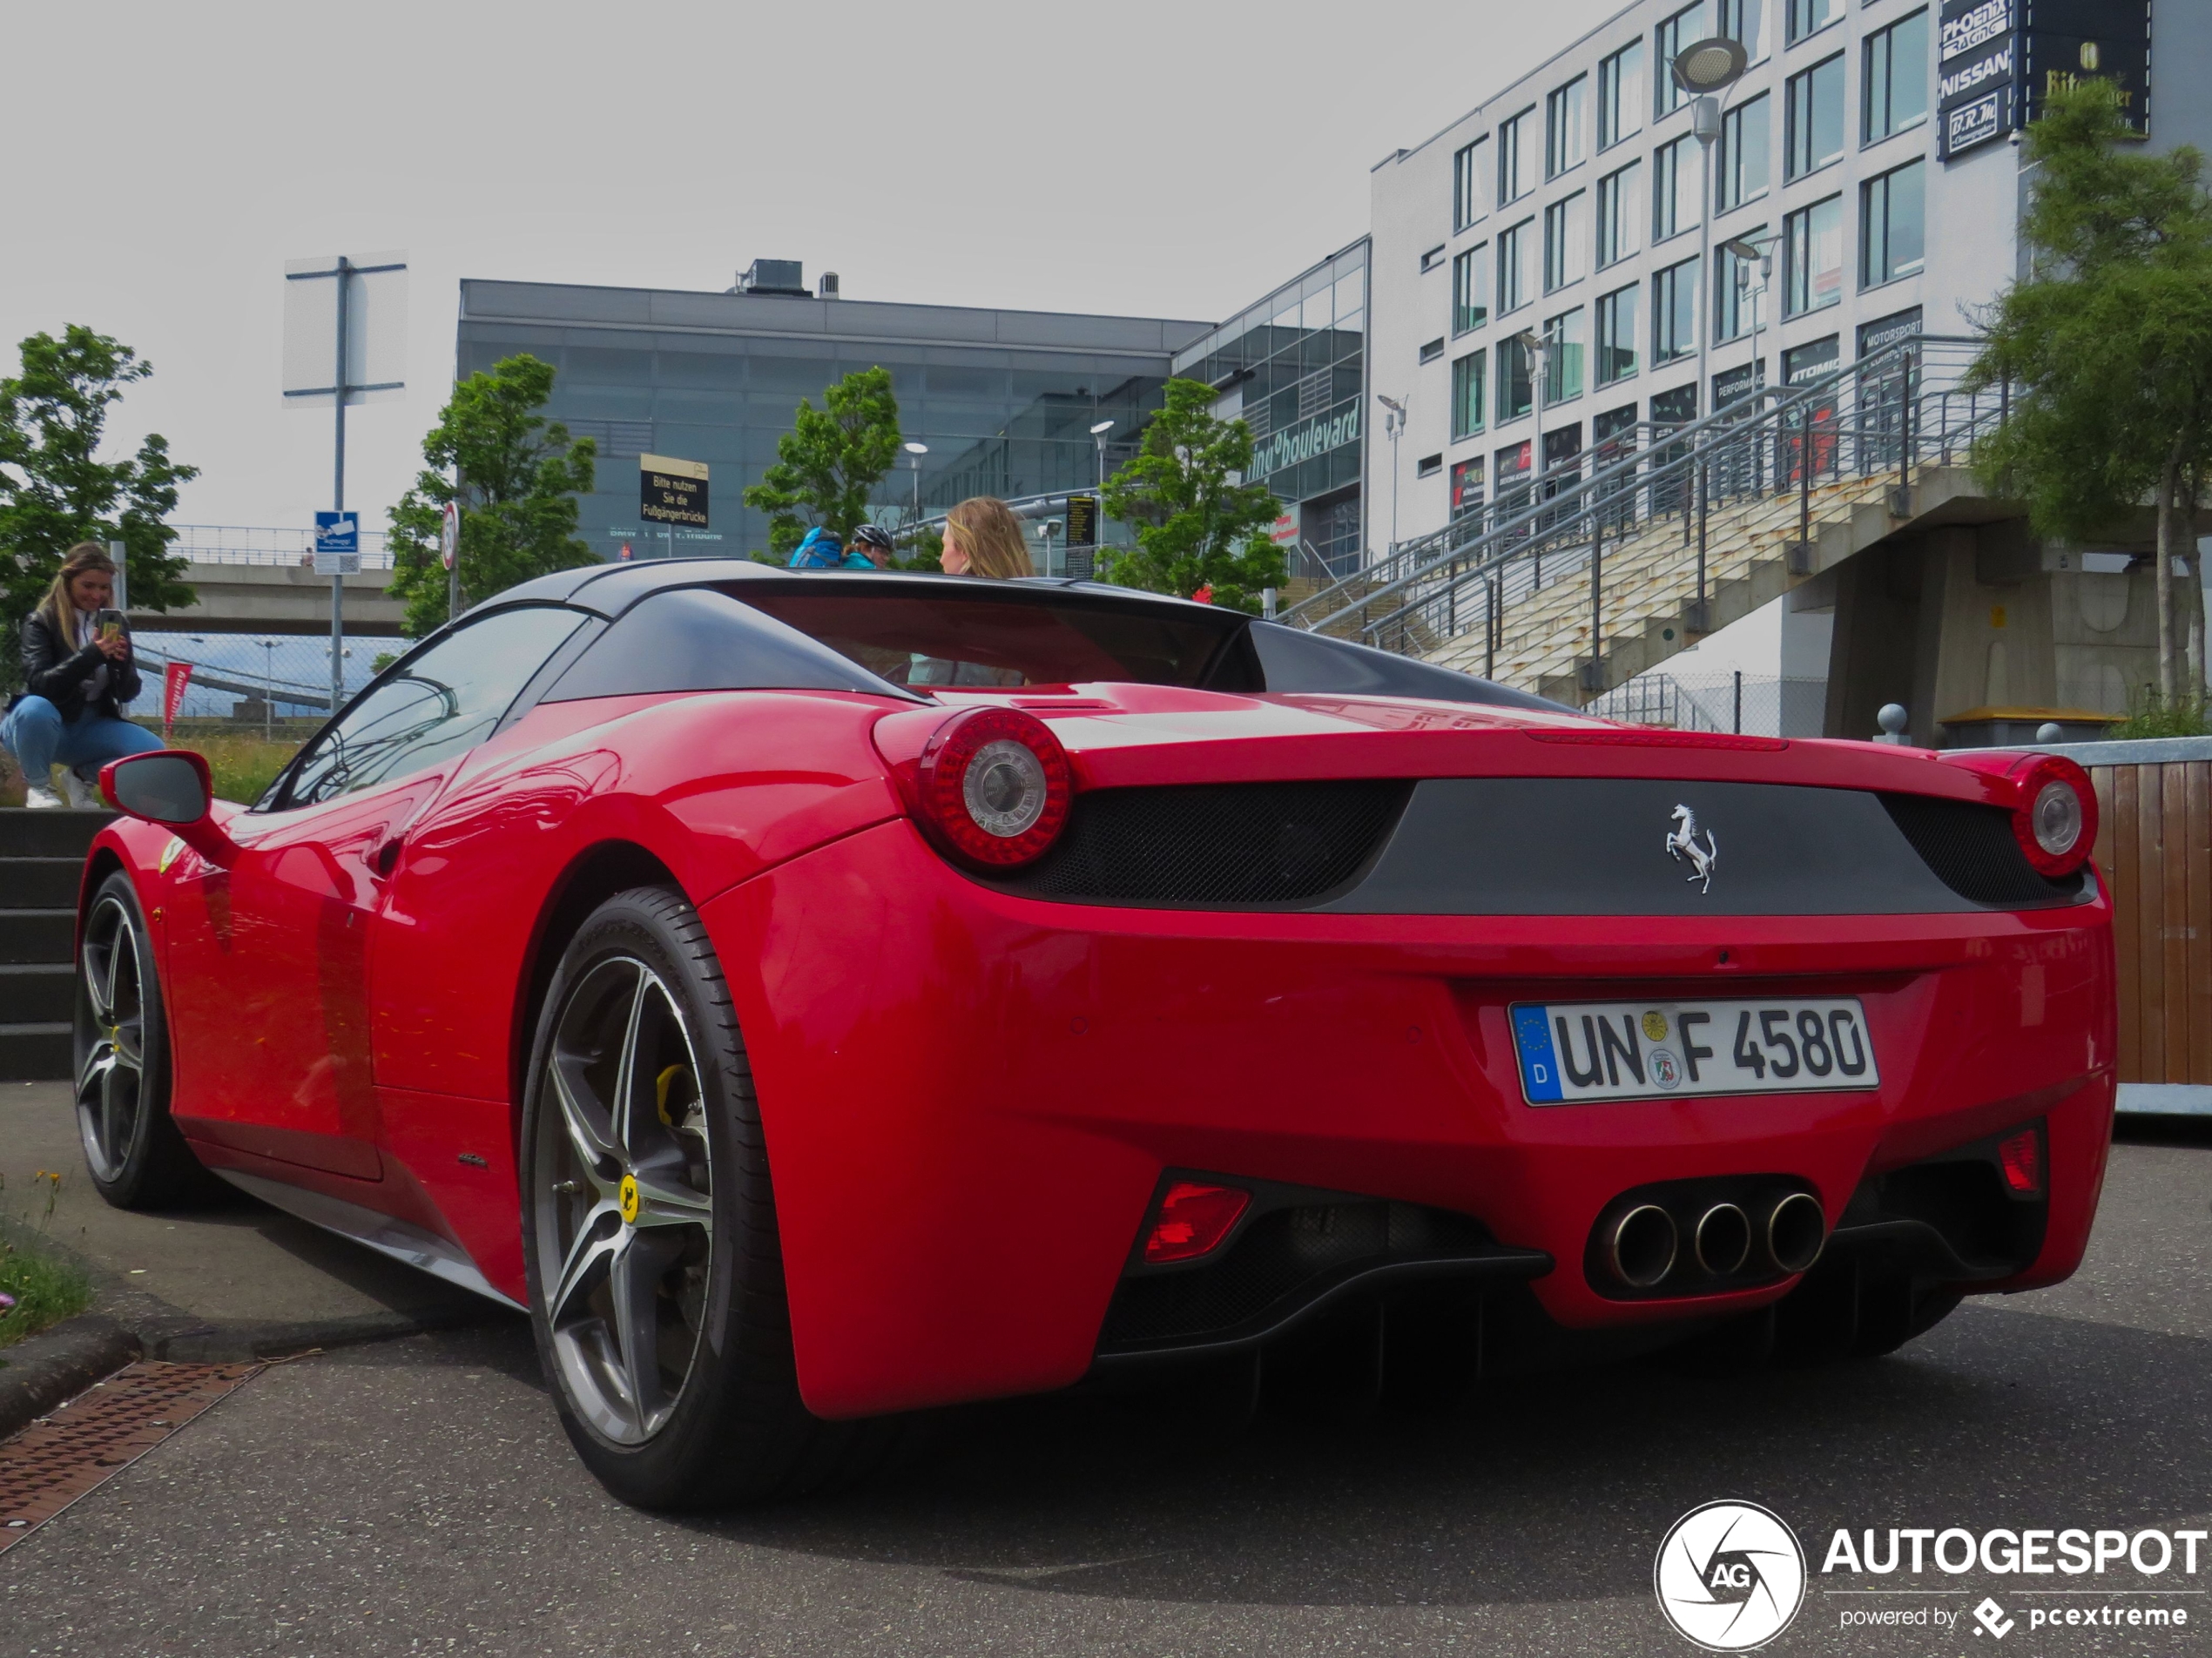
(232,1279)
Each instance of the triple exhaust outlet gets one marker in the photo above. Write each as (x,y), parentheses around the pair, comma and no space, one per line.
(1643,1245)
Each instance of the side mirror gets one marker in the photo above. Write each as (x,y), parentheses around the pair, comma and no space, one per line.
(170,787)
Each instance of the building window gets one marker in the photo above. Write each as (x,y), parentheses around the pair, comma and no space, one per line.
(1811,16)
(1684,29)
(1433,349)
(1565,241)
(1893,86)
(1618,213)
(1428,466)
(1467,486)
(1674,188)
(1892,237)
(1736,290)
(1744,20)
(1674,312)
(1743,165)
(1812,258)
(1564,115)
(1619,95)
(1513,267)
(1616,335)
(1816,136)
(1466,395)
(1467,185)
(1566,338)
(1471,288)
(1513,181)
(1516,393)
(1434,258)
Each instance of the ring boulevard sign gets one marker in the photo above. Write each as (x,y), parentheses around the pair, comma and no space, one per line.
(671,491)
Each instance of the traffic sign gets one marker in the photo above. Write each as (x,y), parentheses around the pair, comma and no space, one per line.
(338,543)
(672,492)
(449,534)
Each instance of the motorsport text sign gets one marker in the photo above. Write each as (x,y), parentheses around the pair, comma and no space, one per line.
(671,491)
(338,543)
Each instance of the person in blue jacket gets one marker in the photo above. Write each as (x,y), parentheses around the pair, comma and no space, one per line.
(820,549)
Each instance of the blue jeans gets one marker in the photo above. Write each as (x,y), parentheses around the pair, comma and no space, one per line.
(37,736)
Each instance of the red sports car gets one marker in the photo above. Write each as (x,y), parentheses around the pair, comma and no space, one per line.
(813,997)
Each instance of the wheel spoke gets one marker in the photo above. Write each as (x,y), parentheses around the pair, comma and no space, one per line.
(593,1150)
(121,944)
(97,970)
(626,1070)
(664,1200)
(634,1277)
(116,1122)
(596,1241)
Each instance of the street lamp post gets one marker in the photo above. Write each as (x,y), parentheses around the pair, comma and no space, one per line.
(1539,349)
(269,688)
(1705,68)
(914,452)
(1393,423)
(1098,437)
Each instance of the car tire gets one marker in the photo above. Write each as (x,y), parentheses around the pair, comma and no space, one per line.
(135,1155)
(649,1226)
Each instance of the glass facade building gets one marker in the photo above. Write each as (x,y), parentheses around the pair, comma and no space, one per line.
(1004,400)
(1293,367)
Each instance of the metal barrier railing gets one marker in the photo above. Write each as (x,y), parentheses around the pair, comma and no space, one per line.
(1894,409)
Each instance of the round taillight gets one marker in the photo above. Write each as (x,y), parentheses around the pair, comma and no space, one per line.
(2056,820)
(994,787)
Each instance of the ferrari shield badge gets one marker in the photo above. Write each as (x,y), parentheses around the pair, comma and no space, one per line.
(1682,848)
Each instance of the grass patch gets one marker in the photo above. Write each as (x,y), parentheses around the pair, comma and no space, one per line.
(2150,715)
(46,1292)
(242,765)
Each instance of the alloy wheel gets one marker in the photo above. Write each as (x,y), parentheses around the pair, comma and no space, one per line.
(624,1216)
(111,1077)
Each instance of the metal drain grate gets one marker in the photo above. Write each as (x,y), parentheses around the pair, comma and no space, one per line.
(52,1463)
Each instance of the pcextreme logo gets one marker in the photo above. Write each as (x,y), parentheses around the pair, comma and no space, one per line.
(1730,1576)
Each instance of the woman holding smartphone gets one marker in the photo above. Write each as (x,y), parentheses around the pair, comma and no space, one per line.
(77,674)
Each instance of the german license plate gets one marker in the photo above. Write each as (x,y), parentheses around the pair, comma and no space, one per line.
(1654,1050)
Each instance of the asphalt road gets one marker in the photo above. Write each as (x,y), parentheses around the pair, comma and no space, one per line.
(416,1496)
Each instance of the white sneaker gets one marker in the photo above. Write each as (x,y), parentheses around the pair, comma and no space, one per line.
(36,797)
(84,797)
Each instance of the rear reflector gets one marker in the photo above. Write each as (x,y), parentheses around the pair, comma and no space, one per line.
(1192,1219)
(2020,1155)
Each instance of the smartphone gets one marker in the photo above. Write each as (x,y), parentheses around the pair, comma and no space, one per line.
(108,624)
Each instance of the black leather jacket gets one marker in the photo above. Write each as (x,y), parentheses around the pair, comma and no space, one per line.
(52,669)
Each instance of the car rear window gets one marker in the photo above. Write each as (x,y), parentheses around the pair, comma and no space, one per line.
(1020,638)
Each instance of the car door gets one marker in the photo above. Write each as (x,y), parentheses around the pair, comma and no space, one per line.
(269,961)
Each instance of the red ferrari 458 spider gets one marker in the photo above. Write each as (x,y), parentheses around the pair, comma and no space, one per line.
(814,997)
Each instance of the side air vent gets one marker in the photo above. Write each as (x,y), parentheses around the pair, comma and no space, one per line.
(1215,846)
(1972,850)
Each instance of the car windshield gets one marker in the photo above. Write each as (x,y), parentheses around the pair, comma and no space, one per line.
(1006,637)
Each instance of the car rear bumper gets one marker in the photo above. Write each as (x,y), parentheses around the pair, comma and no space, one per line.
(970,1097)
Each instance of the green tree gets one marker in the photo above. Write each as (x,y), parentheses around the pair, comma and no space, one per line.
(829,463)
(519,478)
(55,490)
(2108,343)
(1195,528)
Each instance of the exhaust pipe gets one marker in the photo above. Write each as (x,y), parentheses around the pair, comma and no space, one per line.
(1723,1240)
(1641,1247)
(1797,1231)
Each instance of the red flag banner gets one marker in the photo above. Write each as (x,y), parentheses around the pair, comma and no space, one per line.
(172,693)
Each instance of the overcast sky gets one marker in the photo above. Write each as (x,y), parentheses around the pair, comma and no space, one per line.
(1142,156)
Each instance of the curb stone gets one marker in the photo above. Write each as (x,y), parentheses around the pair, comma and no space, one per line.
(44,1371)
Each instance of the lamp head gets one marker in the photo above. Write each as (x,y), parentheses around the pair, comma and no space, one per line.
(1102,428)
(916,448)
(1710,65)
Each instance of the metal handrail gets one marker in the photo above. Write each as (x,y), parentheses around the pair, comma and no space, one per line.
(1783,438)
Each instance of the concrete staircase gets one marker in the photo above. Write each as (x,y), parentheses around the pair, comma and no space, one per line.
(1649,589)
(42,857)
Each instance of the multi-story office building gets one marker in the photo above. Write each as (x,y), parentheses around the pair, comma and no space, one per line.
(1864,149)
(1293,367)
(1005,401)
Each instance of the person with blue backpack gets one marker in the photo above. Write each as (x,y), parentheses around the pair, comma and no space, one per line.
(821,549)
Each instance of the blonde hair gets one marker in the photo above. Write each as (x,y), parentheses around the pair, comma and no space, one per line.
(991,536)
(58,607)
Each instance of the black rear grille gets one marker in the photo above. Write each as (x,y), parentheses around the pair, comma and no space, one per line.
(1217,845)
(1284,1254)
(1973,851)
